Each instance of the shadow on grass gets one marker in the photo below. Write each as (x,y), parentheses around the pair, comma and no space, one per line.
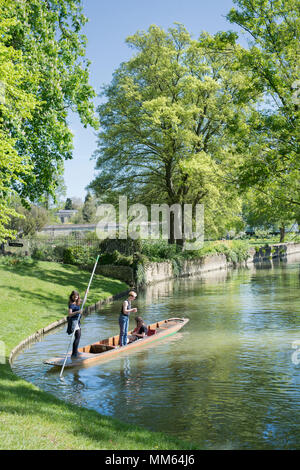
(47,298)
(67,276)
(18,399)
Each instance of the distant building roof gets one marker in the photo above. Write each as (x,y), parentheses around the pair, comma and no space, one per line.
(70,227)
(66,229)
(66,211)
(65,214)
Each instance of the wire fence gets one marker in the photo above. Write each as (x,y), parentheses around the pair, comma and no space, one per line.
(30,245)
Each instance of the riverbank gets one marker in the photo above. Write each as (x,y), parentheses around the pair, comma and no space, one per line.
(159,262)
(33,296)
(216,259)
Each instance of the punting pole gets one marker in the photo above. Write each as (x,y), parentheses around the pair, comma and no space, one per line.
(80,313)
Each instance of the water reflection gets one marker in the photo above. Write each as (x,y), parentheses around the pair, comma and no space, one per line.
(226,381)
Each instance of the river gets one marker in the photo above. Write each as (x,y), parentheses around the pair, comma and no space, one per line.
(230,379)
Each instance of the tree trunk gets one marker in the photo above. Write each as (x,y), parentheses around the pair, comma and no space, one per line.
(176,234)
(171,239)
(282,233)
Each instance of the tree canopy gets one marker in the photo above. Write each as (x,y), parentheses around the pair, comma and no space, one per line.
(271,151)
(43,75)
(183,121)
(171,116)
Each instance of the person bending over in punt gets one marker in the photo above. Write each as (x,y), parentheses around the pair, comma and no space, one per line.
(140,330)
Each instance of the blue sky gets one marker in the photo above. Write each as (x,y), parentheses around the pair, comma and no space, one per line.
(109,25)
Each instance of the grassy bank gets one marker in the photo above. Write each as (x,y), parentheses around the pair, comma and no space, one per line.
(34,294)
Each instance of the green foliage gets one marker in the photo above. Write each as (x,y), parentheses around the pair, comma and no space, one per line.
(43,74)
(17,103)
(68,204)
(79,255)
(261,233)
(140,258)
(171,116)
(32,220)
(38,254)
(235,251)
(126,246)
(86,212)
(271,149)
(177,265)
(262,210)
(15,260)
(140,277)
(88,209)
(241,248)
(159,250)
(49,253)
(116,259)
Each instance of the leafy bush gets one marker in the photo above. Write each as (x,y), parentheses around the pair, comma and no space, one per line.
(139,258)
(177,265)
(79,255)
(106,258)
(123,260)
(37,254)
(13,260)
(261,233)
(72,255)
(116,258)
(235,250)
(241,249)
(159,250)
(48,253)
(140,274)
(126,246)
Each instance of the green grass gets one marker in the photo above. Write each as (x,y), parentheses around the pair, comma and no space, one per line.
(35,294)
(274,240)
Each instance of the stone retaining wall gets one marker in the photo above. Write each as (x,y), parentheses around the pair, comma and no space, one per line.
(156,272)
(278,250)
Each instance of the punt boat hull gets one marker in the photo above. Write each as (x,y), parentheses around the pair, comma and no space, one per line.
(107,349)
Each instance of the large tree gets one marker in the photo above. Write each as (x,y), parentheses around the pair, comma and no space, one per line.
(17,104)
(43,64)
(272,149)
(169,119)
(260,211)
(33,219)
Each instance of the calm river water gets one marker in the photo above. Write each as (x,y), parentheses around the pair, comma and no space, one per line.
(230,379)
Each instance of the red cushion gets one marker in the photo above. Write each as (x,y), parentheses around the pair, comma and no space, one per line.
(150,332)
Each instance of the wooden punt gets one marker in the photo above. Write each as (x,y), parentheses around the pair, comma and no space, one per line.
(109,348)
